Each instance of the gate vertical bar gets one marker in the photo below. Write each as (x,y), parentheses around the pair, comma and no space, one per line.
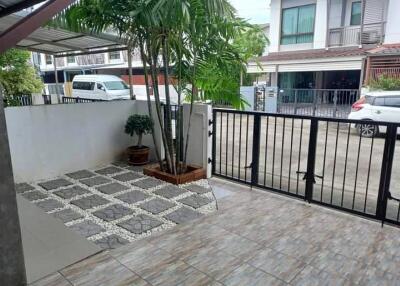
(256,149)
(295,101)
(214,141)
(312,149)
(386,171)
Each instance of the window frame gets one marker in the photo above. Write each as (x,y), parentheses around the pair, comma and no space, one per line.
(71,62)
(46,57)
(351,13)
(114,53)
(297,25)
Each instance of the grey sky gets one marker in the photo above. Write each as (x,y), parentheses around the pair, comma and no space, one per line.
(256,11)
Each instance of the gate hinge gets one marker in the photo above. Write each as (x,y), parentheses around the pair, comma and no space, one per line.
(210,133)
(210,122)
(209,160)
(311,177)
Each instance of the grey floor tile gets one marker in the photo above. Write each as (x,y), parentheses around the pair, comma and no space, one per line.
(182,215)
(126,177)
(148,183)
(138,169)
(71,192)
(195,201)
(67,215)
(95,181)
(55,184)
(49,205)
(197,189)
(121,164)
(156,205)
(90,202)
(109,170)
(23,187)
(113,212)
(249,275)
(140,223)
(111,242)
(111,188)
(277,264)
(133,197)
(311,276)
(34,195)
(87,228)
(102,270)
(81,174)
(170,191)
(55,279)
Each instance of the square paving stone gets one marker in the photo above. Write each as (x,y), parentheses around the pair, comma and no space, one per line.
(109,170)
(132,197)
(157,205)
(82,174)
(147,183)
(130,176)
(49,205)
(111,242)
(87,228)
(170,191)
(67,215)
(55,184)
(121,164)
(195,201)
(140,223)
(112,188)
(71,192)
(95,181)
(34,195)
(198,189)
(113,212)
(138,169)
(90,202)
(182,215)
(23,187)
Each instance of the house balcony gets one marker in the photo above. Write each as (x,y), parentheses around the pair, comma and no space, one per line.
(357,35)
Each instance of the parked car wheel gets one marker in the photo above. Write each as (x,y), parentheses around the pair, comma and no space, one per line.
(367,130)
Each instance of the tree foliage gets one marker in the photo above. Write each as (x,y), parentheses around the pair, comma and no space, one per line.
(199,43)
(139,125)
(17,76)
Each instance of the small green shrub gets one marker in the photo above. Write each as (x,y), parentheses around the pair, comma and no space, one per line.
(385,82)
(139,125)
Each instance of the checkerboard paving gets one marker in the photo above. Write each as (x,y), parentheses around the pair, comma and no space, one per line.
(115,204)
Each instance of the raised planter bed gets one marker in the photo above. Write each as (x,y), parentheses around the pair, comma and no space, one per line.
(193,173)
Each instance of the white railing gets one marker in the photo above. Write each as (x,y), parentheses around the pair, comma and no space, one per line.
(355,35)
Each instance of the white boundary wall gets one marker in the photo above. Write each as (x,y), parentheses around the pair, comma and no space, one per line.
(50,140)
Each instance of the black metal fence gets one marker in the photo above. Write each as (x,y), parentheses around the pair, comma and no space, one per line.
(317,102)
(322,160)
(18,100)
(67,99)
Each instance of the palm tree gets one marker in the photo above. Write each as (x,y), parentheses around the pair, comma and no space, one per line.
(190,41)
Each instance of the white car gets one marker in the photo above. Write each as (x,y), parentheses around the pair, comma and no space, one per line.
(376,106)
(104,87)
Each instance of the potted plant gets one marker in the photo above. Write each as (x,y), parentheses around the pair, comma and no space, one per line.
(139,125)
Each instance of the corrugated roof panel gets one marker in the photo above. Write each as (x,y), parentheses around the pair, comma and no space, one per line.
(87,42)
(51,48)
(24,43)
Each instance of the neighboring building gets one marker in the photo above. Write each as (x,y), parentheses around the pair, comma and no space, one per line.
(323,43)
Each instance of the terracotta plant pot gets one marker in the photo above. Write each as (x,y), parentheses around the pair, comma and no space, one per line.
(138,155)
(193,173)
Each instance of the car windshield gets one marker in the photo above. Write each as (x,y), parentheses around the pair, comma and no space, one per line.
(115,85)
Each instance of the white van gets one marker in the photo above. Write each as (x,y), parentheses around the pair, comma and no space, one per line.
(97,86)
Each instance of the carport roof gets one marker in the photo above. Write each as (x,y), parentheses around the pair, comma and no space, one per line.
(58,41)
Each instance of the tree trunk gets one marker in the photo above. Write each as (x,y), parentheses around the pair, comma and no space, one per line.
(140,136)
(146,78)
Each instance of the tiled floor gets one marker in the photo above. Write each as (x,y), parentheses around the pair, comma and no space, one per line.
(255,238)
(117,204)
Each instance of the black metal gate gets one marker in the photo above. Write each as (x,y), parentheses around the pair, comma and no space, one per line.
(327,161)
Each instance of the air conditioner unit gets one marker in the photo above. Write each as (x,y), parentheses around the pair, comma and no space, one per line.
(371,37)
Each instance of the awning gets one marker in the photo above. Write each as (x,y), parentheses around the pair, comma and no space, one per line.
(57,41)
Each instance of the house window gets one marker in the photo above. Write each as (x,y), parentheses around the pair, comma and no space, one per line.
(49,60)
(355,13)
(298,25)
(114,55)
(71,59)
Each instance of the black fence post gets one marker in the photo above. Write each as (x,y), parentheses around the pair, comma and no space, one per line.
(256,149)
(312,149)
(214,140)
(386,171)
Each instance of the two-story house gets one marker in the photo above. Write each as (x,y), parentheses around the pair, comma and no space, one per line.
(323,43)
